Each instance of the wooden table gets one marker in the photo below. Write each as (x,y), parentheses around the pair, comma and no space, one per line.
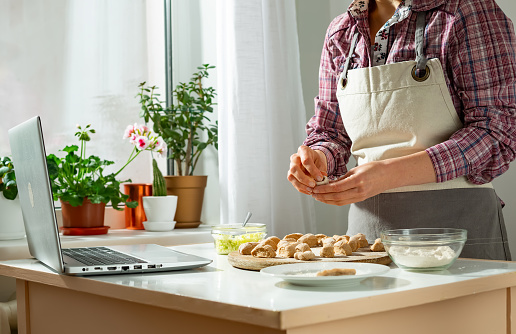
(470,297)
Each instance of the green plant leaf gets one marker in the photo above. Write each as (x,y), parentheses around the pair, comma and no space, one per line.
(185,117)
(132,204)
(4,170)
(10,193)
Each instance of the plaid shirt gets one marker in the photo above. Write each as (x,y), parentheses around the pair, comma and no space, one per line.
(475,42)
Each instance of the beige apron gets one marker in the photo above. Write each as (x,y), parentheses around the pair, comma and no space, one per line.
(390,111)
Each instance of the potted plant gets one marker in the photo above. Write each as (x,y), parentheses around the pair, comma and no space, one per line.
(160,208)
(187,130)
(11,224)
(82,187)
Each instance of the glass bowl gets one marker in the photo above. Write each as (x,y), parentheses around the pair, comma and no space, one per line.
(424,249)
(229,237)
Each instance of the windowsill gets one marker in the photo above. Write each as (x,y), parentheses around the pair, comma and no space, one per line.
(18,249)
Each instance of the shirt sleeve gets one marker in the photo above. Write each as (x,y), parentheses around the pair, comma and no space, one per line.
(482,64)
(325,130)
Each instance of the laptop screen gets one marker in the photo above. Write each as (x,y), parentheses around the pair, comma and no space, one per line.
(35,192)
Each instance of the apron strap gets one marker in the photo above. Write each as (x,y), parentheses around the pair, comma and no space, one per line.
(344,75)
(420,51)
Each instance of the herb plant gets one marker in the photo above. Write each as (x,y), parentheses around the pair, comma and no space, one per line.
(184,126)
(76,177)
(8,186)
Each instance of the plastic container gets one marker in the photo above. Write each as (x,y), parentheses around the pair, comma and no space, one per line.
(424,249)
(229,237)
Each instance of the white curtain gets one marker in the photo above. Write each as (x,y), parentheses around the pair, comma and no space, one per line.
(261,114)
(79,62)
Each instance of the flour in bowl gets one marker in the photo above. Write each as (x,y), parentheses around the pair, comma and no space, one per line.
(422,257)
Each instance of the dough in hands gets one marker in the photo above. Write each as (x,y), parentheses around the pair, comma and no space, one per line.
(324,181)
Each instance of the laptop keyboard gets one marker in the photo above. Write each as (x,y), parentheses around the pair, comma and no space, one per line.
(93,256)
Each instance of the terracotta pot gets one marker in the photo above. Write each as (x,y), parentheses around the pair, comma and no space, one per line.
(134,218)
(190,195)
(87,215)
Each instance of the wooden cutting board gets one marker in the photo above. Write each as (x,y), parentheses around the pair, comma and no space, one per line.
(250,262)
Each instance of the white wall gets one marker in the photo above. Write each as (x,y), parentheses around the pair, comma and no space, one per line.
(313,19)
(505,185)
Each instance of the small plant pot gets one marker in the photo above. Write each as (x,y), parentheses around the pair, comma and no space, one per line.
(160,212)
(85,219)
(190,192)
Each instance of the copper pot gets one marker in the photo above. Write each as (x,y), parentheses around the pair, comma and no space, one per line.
(134,218)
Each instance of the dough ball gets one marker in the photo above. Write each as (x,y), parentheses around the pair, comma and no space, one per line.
(287,250)
(353,243)
(294,236)
(361,240)
(324,181)
(304,256)
(328,241)
(377,246)
(309,239)
(271,241)
(343,248)
(302,247)
(327,251)
(246,248)
(320,238)
(263,251)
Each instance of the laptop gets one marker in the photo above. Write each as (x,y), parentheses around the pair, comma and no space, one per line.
(37,204)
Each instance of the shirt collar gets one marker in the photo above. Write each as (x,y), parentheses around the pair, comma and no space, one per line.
(359,8)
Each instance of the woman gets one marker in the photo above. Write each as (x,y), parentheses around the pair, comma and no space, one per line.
(422,93)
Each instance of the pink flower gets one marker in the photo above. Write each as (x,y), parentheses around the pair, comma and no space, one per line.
(161,149)
(132,140)
(143,130)
(141,142)
(157,142)
(129,131)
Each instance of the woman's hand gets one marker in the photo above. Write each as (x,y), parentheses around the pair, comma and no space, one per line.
(375,177)
(306,167)
(356,185)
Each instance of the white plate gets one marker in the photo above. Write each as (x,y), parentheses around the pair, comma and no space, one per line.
(304,273)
